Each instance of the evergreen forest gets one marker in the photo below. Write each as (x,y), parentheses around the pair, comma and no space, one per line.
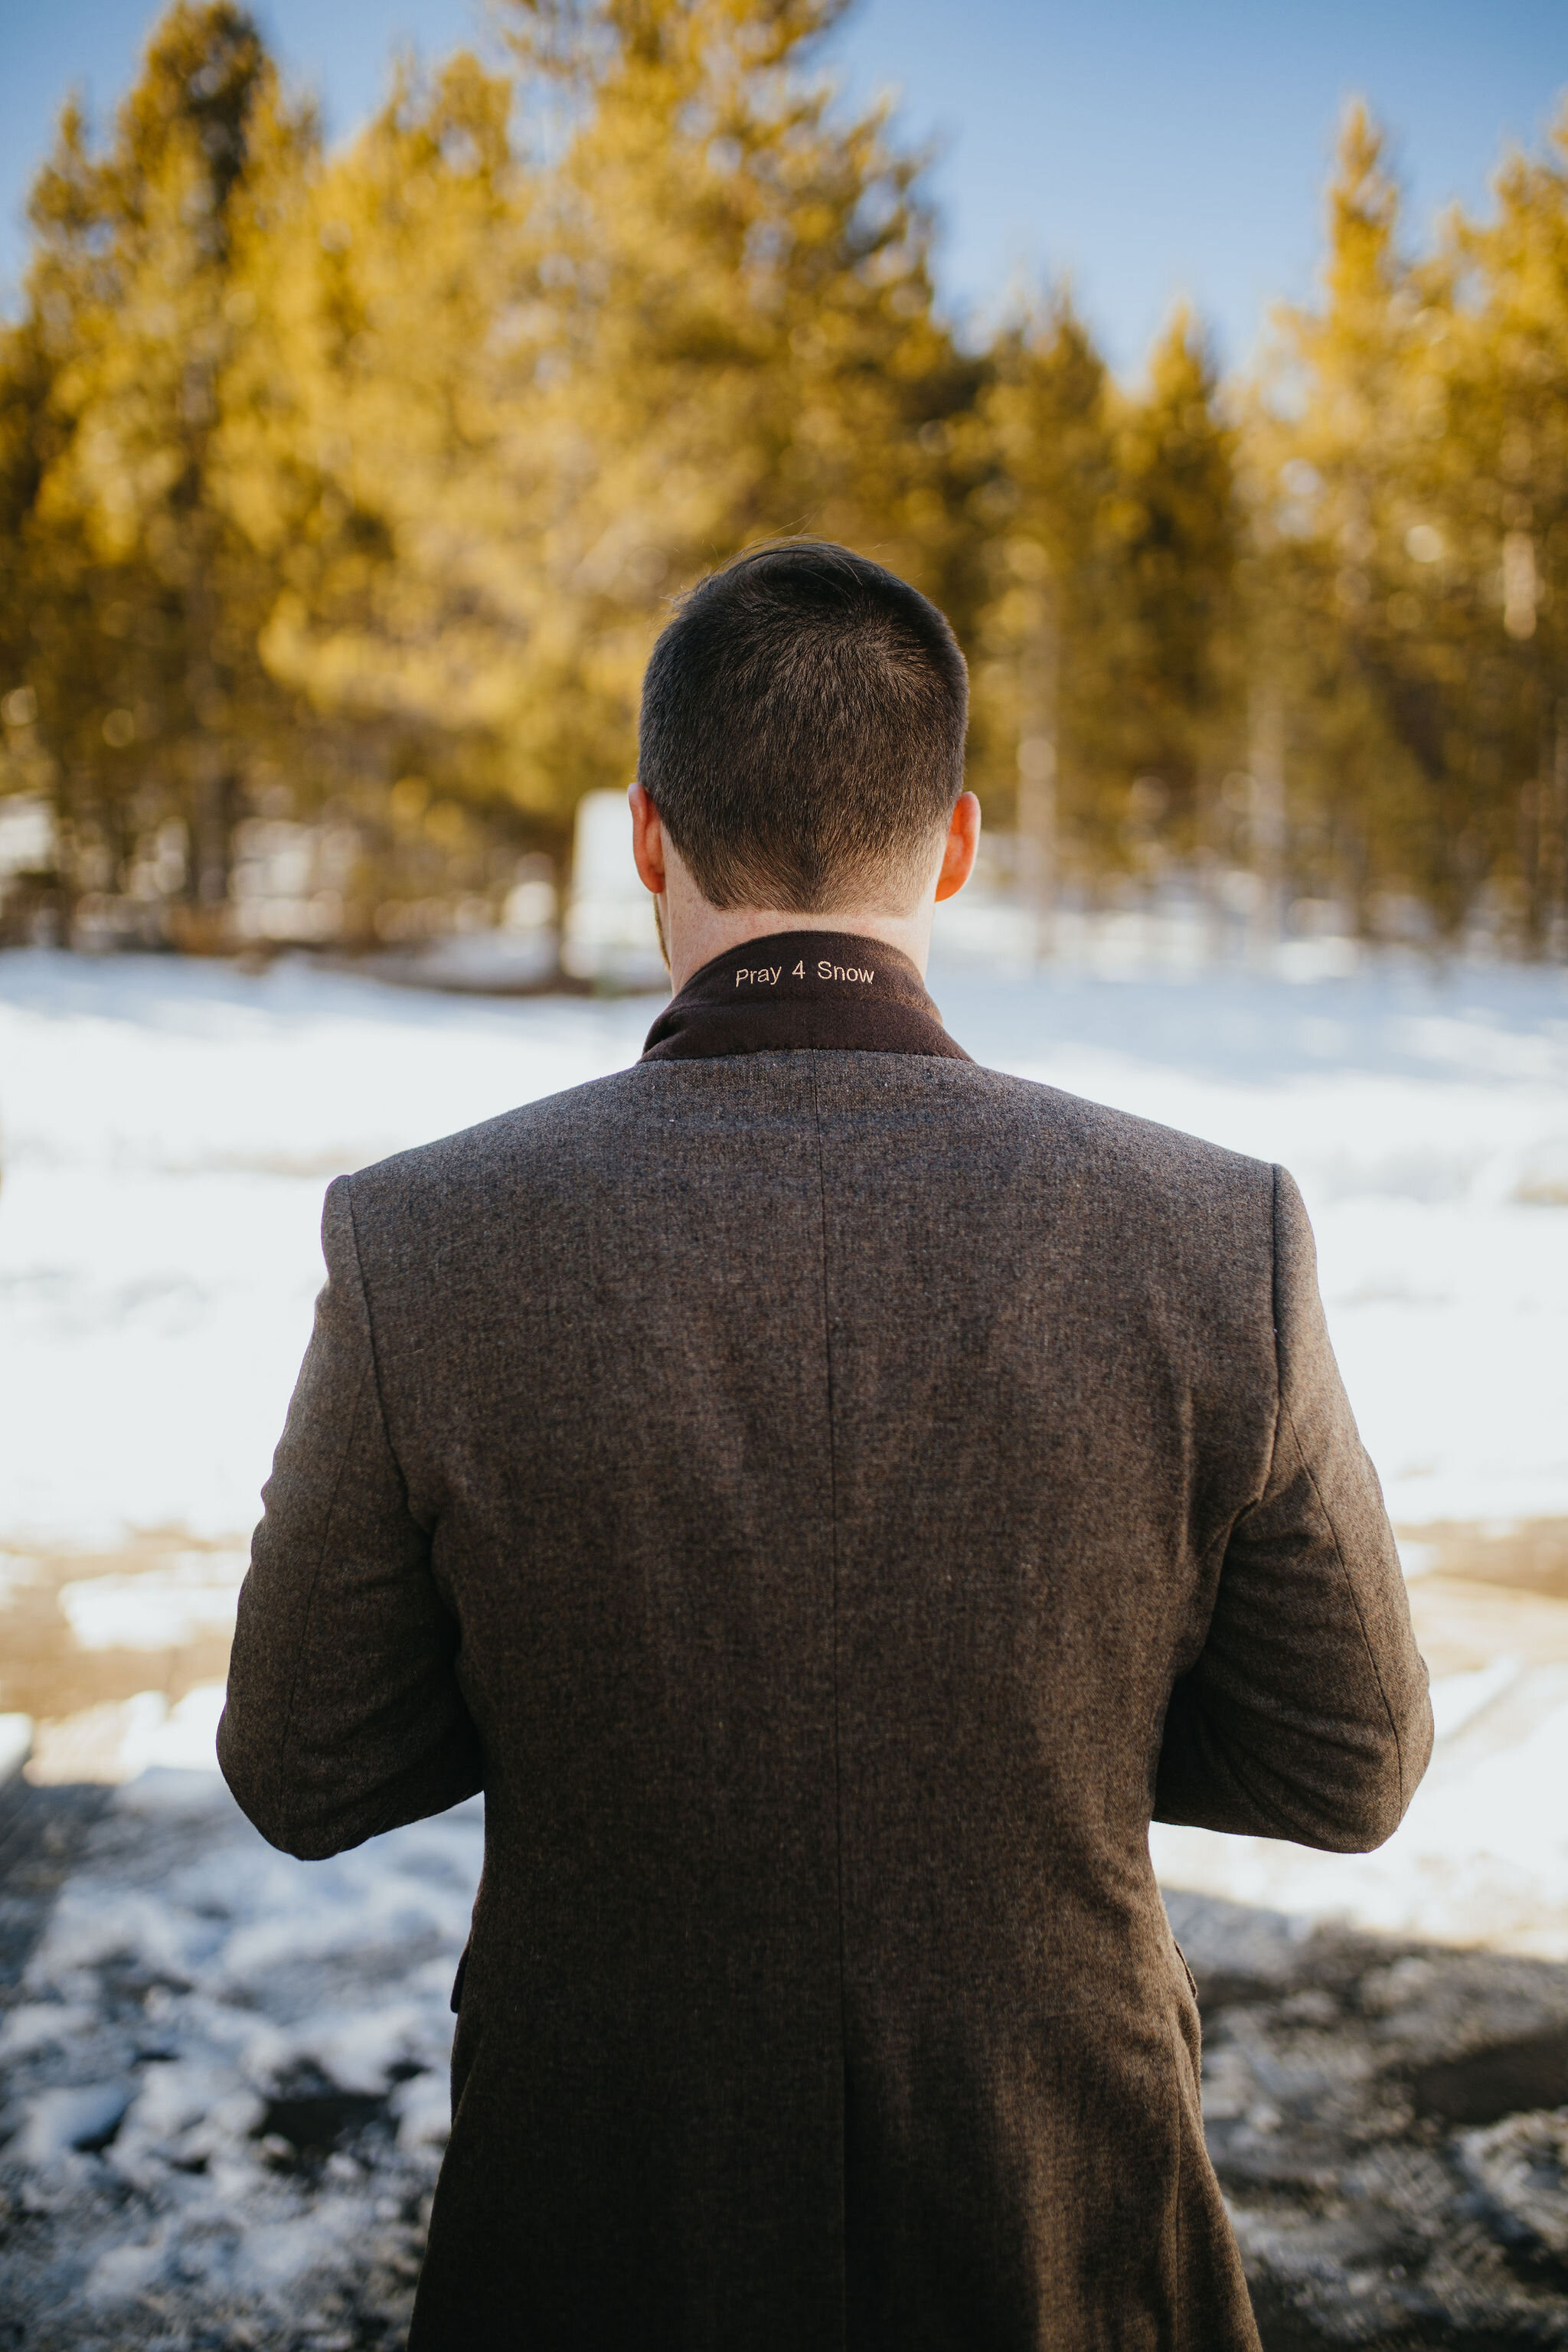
(348,488)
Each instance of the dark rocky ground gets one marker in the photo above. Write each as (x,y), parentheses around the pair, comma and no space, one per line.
(221,2079)
(1390,2126)
(222,2076)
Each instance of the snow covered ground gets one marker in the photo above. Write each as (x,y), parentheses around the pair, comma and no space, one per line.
(167,1129)
(223,2083)
(223,2101)
(222,2089)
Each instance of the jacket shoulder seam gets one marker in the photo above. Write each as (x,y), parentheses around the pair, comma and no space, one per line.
(374,1352)
(366,1374)
(1287,1420)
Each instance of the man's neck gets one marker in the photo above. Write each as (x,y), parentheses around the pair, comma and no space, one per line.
(695,932)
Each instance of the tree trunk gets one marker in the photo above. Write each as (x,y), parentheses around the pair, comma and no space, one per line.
(1266,763)
(1038,669)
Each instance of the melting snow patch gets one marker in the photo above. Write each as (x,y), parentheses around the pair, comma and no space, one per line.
(40,2025)
(127,1737)
(16,1745)
(57,2123)
(1456,1698)
(225,2080)
(158,1609)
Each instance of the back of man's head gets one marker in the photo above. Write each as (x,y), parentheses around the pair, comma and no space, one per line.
(803,725)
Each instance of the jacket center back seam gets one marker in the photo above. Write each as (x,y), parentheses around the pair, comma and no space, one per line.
(838,1726)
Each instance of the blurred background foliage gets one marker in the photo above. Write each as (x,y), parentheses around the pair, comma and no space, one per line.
(342,496)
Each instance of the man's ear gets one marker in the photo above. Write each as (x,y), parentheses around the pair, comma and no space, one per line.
(647,841)
(961,847)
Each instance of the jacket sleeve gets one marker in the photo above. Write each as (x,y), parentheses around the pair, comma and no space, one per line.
(1306,1715)
(344,1715)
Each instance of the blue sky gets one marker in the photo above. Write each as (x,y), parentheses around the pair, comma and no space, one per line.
(1147,148)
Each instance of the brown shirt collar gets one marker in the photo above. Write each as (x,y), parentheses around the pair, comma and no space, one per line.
(829,990)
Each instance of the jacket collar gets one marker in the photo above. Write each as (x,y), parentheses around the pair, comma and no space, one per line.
(832,992)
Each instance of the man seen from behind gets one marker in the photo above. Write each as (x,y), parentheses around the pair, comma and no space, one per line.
(830,1496)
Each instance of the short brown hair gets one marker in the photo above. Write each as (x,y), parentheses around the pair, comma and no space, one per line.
(803,725)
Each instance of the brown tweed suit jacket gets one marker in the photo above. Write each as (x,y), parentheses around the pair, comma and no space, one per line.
(829,1499)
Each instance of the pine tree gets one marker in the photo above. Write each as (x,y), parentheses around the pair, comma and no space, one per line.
(1495,481)
(735,316)
(25,380)
(403,607)
(1045,428)
(1169,721)
(1110,669)
(558,384)
(1353,613)
(146,592)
